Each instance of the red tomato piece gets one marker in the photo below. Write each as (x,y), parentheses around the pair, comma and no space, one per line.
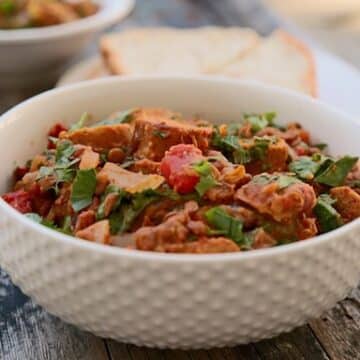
(20,172)
(176,167)
(301,151)
(56,130)
(19,200)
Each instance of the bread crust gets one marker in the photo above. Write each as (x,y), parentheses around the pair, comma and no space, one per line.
(310,78)
(111,60)
(115,65)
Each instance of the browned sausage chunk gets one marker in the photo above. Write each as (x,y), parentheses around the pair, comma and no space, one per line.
(98,232)
(348,202)
(204,246)
(273,159)
(281,204)
(156,132)
(101,138)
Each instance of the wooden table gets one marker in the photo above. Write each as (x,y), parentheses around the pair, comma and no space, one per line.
(28,332)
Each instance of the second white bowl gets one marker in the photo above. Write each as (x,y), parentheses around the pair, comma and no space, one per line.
(36,56)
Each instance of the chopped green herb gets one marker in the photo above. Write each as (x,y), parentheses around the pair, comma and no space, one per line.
(121,220)
(61,171)
(7,7)
(230,146)
(306,168)
(104,157)
(242,156)
(328,218)
(60,175)
(66,226)
(160,134)
(167,192)
(121,117)
(207,181)
(227,225)
(83,189)
(111,189)
(38,219)
(321,146)
(260,121)
(226,144)
(53,140)
(283,181)
(81,123)
(128,162)
(260,148)
(64,150)
(233,129)
(335,174)
(65,229)
(354,183)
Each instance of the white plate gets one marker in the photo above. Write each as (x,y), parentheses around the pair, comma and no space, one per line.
(339,82)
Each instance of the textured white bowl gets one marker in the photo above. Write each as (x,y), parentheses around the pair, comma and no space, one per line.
(36,56)
(187,301)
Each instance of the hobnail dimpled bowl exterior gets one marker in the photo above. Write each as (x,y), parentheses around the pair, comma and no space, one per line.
(177,301)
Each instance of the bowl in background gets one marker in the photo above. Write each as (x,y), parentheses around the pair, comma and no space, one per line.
(36,57)
(174,300)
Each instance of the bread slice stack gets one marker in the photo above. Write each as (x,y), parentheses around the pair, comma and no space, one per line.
(279,59)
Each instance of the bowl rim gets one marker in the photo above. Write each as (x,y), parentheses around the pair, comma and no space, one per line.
(110,12)
(169,257)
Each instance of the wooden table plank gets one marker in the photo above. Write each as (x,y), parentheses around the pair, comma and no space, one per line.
(298,344)
(339,329)
(29,332)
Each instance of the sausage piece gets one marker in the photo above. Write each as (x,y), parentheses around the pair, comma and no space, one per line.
(156,132)
(348,202)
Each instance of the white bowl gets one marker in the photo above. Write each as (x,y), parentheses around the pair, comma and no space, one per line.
(174,300)
(37,56)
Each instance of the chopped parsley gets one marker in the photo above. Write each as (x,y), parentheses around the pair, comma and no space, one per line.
(160,134)
(131,207)
(321,146)
(111,189)
(283,181)
(306,167)
(260,121)
(327,216)
(207,180)
(7,7)
(335,174)
(83,189)
(64,150)
(62,171)
(121,117)
(65,229)
(81,123)
(230,146)
(354,183)
(227,225)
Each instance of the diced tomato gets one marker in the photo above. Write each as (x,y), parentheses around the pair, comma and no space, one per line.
(20,172)
(177,170)
(19,200)
(55,132)
(301,151)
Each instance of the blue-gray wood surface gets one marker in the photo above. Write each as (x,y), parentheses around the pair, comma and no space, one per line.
(29,332)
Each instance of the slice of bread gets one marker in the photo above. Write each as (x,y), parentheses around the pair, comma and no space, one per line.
(279,60)
(169,50)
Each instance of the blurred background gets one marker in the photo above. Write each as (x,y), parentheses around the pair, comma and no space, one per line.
(335,24)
